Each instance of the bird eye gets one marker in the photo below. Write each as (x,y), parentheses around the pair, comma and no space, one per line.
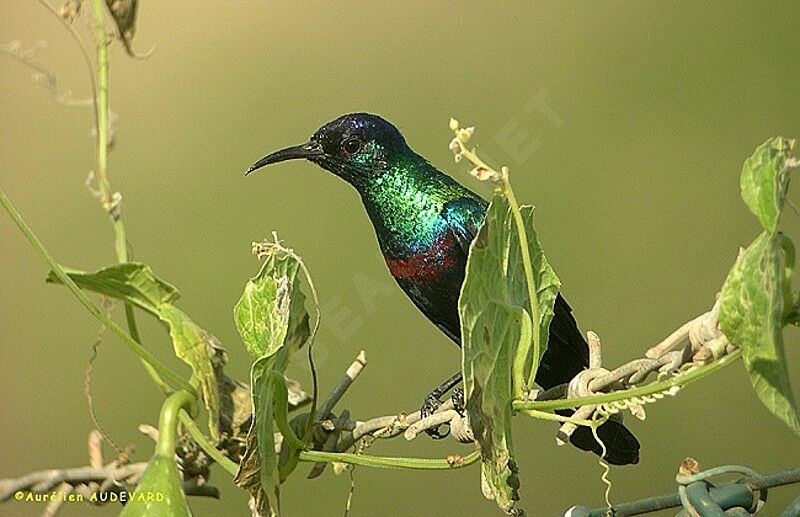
(352,145)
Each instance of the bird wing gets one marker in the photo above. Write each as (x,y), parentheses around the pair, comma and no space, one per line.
(464,218)
(567,352)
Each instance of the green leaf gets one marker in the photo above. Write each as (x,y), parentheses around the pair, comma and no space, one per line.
(752,316)
(489,340)
(765,178)
(547,287)
(136,283)
(497,334)
(159,492)
(272,321)
(132,282)
(495,272)
(197,348)
(258,469)
(262,313)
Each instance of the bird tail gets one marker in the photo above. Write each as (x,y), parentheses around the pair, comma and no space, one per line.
(622,447)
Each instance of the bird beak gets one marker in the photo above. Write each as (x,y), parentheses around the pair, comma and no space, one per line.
(306,151)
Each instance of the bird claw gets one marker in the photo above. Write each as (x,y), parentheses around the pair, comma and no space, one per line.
(459,404)
(429,407)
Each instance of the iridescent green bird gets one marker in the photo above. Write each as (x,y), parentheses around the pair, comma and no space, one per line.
(425,222)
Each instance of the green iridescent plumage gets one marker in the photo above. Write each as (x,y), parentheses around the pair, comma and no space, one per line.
(406,205)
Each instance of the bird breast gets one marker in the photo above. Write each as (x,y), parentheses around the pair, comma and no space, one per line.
(426,265)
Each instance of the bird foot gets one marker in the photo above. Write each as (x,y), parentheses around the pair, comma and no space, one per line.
(459,404)
(433,402)
(429,407)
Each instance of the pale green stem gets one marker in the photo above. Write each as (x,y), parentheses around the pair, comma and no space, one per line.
(281,397)
(101,316)
(529,278)
(545,415)
(104,185)
(101,43)
(168,421)
(311,340)
(615,396)
(389,462)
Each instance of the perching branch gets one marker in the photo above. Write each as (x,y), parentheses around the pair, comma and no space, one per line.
(691,352)
(94,483)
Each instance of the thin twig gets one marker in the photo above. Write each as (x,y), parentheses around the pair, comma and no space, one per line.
(338,391)
(45,481)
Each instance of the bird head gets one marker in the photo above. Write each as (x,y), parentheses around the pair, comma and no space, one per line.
(357,147)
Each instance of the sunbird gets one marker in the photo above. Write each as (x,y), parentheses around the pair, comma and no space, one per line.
(425,221)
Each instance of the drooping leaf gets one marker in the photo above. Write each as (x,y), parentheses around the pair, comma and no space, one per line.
(136,283)
(547,286)
(195,347)
(497,334)
(765,178)
(258,469)
(159,492)
(756,298)
(235,407)
(752,316)
(273,323)
(132,282)
(489,340)
(495,271)
(124,14)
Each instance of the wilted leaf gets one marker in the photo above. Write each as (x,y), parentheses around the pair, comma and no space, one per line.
(489,342)
(497,333)
(195,347)
(495,272)
(258,470)
(752,316)
(272,321)
(132,282)
(161,478)
(235,406)
(124,14)
(764,180)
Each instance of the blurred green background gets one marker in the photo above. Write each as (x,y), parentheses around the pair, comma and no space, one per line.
(625,123)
